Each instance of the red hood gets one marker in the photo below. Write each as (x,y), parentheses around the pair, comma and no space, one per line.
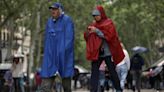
(101,10)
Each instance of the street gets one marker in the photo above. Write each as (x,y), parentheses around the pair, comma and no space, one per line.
(143,90)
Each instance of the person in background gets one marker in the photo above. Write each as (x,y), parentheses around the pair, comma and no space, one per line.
(108,83)
(8,80)
(17,73)
(58,83)
(102,43)
(75,77)
(137,62)
(102,76)
(58,50)
(38,79)
(123,67)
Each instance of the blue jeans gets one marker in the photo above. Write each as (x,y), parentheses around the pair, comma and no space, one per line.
(18,84)
(22,85)
(122,72)
(102,78)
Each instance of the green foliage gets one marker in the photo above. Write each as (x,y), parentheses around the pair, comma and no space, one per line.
(138,22)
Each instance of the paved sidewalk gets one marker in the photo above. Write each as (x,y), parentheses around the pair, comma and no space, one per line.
(143,90)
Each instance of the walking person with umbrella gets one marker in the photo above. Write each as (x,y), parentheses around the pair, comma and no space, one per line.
(137,62)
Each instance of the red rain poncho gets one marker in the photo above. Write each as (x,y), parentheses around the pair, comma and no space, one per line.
(93,42)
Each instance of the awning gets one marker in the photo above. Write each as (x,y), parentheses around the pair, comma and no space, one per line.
(160,62)
(5,66)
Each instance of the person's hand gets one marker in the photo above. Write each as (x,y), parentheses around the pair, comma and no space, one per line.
(91,29)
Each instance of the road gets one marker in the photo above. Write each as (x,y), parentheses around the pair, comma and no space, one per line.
(143,90)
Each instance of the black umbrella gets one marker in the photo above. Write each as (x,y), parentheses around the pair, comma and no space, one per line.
(139,49)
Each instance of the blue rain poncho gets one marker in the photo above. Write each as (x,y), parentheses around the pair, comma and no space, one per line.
(58,48)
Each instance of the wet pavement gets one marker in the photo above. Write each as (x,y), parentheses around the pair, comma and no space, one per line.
(126,90)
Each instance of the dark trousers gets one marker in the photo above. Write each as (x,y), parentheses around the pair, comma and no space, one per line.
(48,83)
(136,82)
(95,74)
(17,85)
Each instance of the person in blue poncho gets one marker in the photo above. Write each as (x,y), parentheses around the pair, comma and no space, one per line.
(58,50)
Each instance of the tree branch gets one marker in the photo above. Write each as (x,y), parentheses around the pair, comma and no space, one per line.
(7,6)
(12,13)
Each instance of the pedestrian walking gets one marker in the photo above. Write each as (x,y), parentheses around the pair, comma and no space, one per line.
(123,67)
(102,76)
(76,77)
(38,79)
(137,62)
(102,43)
(8,81)
(58,49)
(18,74)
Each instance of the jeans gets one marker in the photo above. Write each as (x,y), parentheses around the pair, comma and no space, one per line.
(95,74)
(102,78)
(122,72)
(22,85)
(19,84)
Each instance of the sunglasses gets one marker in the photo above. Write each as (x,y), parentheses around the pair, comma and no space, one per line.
(53,8)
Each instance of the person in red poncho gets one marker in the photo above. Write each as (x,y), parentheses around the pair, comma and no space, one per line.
(102,43)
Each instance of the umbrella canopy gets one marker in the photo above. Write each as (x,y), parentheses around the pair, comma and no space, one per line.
(139,49)
(81,69)
(160,62)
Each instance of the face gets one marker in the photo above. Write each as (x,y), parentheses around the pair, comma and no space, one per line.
(97,18)
(16,60)
(55,12)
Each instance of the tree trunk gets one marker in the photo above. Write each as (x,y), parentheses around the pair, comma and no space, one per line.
(39,41)
(0,47)
(11,39)
(32,48)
